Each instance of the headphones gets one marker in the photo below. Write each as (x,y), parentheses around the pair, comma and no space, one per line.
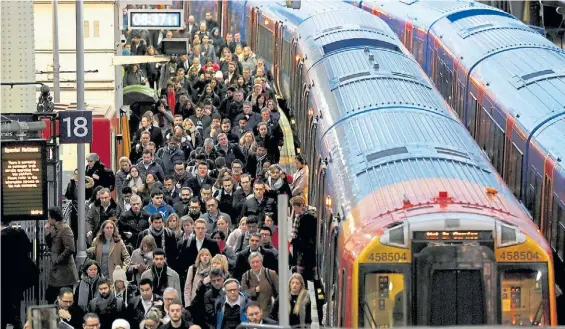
(230,281)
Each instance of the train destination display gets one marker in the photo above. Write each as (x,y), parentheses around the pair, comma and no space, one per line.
(24,186)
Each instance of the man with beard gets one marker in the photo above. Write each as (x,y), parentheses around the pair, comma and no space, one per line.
(140,305)
(181,175)
(242,262)
(181,207)
(201,178)
(225,199)
(164,238)
(103,209)
(161,275)
(133,222)
(67,310)
(175,314)
(107,306)
(147,164)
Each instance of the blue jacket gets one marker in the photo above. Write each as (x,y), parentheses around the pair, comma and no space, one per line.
(165,210)
(219,307)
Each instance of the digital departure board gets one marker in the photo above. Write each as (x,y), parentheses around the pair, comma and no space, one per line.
(155,19)
(24,185)
(453,235)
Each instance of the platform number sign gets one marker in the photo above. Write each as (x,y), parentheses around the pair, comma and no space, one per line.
(75,127)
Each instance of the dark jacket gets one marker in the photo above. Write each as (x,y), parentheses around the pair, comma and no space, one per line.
(115,309)
(63,268)
(153,168)
(156,136)
(136,312)
(219,308)
(189,251)
(252,206)
(103,177)
(231,154)
(242,262)
(96,216)
(169,158)
(76,315)
(195,185)
(134,223)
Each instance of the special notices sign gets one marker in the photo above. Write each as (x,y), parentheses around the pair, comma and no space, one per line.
(24,186)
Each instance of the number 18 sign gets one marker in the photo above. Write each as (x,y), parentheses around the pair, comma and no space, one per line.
(75,127)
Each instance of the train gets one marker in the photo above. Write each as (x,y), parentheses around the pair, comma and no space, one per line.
(506,82)
(415,227)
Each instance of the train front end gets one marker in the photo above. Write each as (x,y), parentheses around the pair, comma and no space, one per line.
(454,268)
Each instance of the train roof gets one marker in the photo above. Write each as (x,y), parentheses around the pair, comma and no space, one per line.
(507,56)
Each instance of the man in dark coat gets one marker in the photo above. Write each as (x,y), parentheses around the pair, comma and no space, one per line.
(97,171)
(107,305)
(201,178)
(61,241)
(242,262)
(140,305)
(133,222)
(68,311)
(258,204)
(15,249)
(303,238)
(191,247)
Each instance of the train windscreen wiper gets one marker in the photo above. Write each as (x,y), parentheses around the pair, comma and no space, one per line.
(368,311)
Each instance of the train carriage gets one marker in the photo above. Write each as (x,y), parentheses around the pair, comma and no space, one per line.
(415,226)
(506,83)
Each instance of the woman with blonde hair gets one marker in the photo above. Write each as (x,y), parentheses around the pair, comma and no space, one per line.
(193,133)
(153,319)
(247,143)
(238,232)
(108,249)
(299,304)
(121,174)
(197,274)
(221,262)
(142,257)
(173,224)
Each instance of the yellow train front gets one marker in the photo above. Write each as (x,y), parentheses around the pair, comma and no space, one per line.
(441,263)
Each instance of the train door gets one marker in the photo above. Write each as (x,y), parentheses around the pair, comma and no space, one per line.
(453,285)
(408,35)
(278,54)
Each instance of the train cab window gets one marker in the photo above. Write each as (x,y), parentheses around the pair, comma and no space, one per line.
(383,301)
(524,297)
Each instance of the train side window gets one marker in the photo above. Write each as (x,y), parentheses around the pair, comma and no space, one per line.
(497,146)
(266,46)
(286,57)
(555,215)
(537,202)
(561,233)
(472,114)
(546,205)
(484,122)
(384,300)
(514,177)
(461,105)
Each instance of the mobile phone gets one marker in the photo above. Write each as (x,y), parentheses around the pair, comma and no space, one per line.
(43,317)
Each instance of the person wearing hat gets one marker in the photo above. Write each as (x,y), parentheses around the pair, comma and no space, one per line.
(122,288)
(96,170)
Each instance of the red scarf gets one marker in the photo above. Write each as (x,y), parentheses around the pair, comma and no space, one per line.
(222,245)
(171,99)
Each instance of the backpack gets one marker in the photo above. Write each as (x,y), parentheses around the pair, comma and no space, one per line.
(268,276)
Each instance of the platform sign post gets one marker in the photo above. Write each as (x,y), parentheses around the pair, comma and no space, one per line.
(24,182)
(75,127)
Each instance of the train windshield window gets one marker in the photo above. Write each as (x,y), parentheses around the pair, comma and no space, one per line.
(384,300)
(524,297)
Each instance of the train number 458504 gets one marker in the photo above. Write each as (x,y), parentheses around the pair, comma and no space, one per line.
(387,257)
(518,256)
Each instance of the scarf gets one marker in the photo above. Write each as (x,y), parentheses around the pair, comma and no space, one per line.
(160,279)
(277,184)
(204,271)
(259,169)
(102,304)
(87,289)
(171,99)
(154,232)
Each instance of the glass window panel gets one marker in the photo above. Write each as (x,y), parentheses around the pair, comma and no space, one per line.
(384,300)
(524,301)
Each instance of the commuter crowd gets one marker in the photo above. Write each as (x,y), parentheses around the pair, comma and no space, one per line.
(185,233)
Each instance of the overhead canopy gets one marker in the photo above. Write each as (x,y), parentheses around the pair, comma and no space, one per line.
(126,60)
